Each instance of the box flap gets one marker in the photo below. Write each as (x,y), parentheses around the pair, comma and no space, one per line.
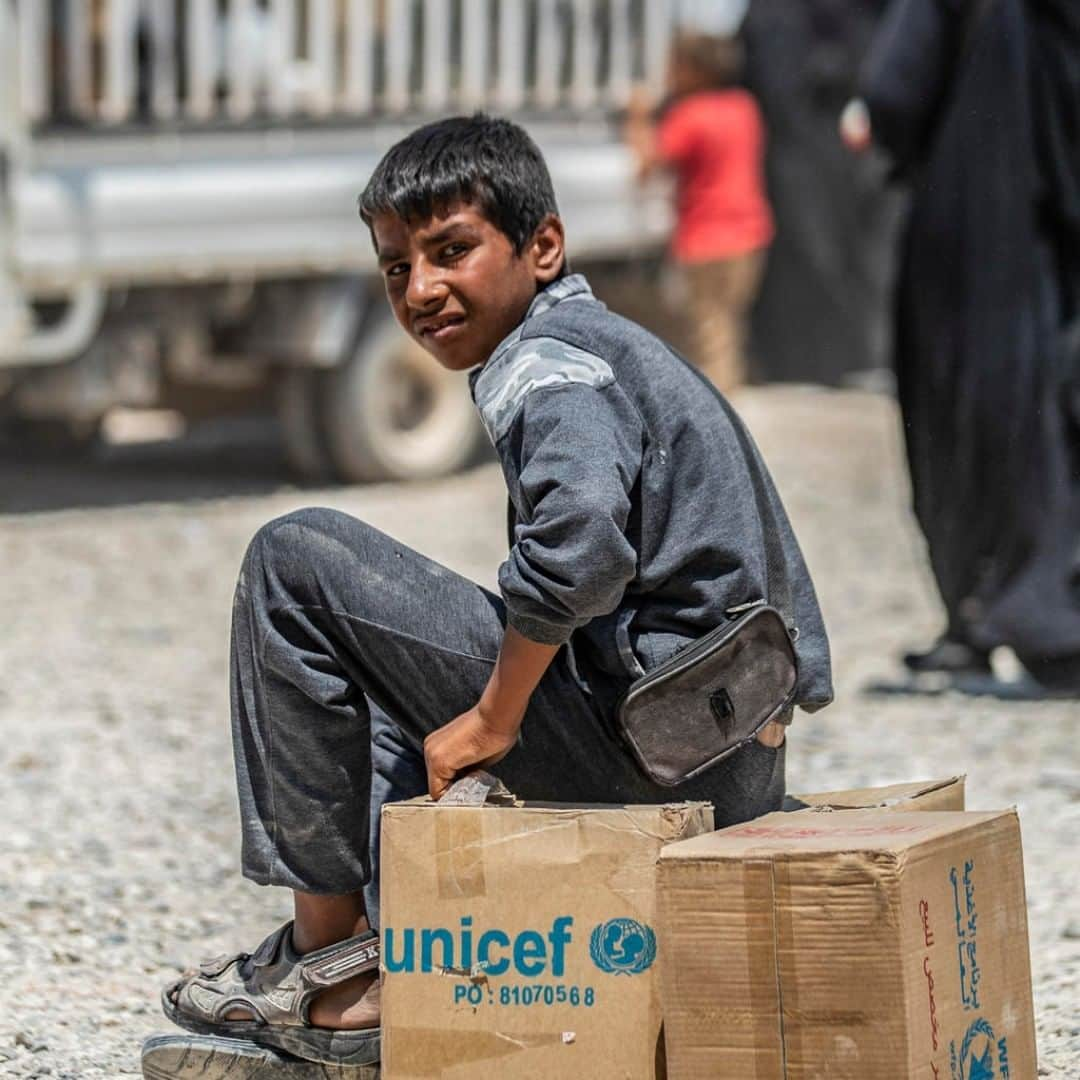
(426,802)
(946,794)
(854,830)
(665,821)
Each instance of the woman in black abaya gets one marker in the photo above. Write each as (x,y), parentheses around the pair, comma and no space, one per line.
(978,103)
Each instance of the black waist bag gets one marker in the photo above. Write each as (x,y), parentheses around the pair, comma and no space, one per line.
(711,697)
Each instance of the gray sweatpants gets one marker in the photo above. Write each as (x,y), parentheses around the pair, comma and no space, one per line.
(349,648)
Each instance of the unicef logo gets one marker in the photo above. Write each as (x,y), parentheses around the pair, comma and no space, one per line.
(622,947)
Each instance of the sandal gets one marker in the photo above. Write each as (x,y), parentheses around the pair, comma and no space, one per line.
(275,986)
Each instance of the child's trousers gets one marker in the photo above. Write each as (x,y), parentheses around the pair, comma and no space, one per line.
(721,294)
(334,621)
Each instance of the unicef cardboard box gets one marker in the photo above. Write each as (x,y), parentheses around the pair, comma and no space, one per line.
(851,945)
(519,941)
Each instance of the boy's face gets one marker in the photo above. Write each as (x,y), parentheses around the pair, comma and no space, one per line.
(683,77)
(455,282)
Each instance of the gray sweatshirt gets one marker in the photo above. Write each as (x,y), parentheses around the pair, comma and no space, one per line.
(642,514)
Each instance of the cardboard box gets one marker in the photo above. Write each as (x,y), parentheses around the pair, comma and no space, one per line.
(857,945)
(945,794)
(519,942)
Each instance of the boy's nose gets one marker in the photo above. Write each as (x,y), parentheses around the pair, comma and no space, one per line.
(426,288)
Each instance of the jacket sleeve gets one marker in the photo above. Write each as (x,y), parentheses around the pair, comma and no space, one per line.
(577,450)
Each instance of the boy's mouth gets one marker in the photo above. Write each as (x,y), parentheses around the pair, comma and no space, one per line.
(440,327)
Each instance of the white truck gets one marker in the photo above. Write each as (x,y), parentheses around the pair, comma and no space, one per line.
(178,184)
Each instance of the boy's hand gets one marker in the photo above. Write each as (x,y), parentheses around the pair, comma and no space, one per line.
(471,740)
(640,104)
(639,131)
(487,732)
(772,735)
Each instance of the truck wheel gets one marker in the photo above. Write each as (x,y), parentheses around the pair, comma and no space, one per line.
(299,396)
(392,413)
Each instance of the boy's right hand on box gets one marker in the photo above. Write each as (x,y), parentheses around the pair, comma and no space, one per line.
(471,740)
(486,733)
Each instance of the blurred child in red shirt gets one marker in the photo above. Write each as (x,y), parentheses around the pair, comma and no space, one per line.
(710,134)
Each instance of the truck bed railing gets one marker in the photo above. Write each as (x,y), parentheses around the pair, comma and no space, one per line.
(117,63)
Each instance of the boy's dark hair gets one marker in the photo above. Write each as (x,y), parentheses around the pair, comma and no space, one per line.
(718,60)
(482,160)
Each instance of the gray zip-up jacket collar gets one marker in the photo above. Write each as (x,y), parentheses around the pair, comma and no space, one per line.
(642,512)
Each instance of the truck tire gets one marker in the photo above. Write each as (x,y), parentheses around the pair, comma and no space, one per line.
(299,396)
(392,413)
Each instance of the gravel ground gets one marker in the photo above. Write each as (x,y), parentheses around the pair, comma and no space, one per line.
(118,860)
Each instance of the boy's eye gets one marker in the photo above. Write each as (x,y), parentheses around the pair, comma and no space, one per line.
(396,269)
(453,251)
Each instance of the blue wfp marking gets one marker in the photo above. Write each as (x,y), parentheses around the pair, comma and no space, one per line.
(981,1055)
(967,925)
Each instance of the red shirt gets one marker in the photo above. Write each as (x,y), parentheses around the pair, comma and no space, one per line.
(714,140)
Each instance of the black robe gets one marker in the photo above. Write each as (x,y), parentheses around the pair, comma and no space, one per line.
(978,101)
(821,314)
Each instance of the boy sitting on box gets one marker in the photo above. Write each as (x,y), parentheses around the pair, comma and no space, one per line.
(641,516)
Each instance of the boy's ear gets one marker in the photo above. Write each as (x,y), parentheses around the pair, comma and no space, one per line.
(547,249)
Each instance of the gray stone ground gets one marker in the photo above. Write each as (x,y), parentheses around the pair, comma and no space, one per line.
(118,852)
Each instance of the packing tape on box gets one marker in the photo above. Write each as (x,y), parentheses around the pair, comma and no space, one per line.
(787,997)
(459,854)
(461,844)
(767,1006)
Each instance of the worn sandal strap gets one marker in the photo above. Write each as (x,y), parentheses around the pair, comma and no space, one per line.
(337,963)
(214,966)
(267,951)
(264,954)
